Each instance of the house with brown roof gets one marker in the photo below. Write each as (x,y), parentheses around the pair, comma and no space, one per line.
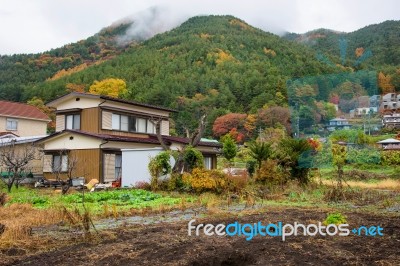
(22,119)
(92,132)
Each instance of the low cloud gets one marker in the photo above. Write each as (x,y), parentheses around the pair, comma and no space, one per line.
(149,22)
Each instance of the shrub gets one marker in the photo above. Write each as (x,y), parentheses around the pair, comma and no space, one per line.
(251,167)
(158,166)
(201,180)
(142,185)
(391,157)
(271,173)
(176,182)
(193,158)
(335,218)
(236,183)
(363,156)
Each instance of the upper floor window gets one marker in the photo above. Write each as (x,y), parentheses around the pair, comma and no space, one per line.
(132,124)
(73,121)
(12,124)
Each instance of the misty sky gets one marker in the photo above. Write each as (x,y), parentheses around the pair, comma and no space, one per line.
(30,26)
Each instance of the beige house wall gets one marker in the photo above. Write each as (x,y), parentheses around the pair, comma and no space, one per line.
(83,103)
(72,141)
(35,166)
(25,127)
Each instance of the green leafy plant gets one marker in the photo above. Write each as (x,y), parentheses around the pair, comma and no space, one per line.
(158,166)
(193,158)
(260,151)
(251,167)
(229,148)
(291,153)
(335,218)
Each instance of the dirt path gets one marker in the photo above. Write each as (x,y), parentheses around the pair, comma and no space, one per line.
(169,244)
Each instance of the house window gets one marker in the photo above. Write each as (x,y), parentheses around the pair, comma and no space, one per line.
(60,163)
(207,163)
(132,124)
(12,124)
(118,166)
(112,166)
(73,121)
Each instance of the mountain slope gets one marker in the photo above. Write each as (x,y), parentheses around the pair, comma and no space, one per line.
(381,39)
(220,62)
(21,70)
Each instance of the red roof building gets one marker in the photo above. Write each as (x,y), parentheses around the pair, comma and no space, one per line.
(22,119)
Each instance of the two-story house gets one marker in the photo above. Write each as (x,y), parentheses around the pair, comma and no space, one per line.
(92,131)
(22,119)
(20,126)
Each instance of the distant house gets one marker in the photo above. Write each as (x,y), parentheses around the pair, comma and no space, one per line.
(361,111)
(391,121)
(338,123)
(390,102)
(101,134)
(374,101)
(22,119)
(390,144)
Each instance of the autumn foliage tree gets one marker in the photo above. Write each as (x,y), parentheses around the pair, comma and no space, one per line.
(233,124)
(359,51)
(109,87)
(275,116)
(39,103)
(384,83)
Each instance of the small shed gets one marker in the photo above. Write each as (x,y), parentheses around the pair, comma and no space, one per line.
(135,165)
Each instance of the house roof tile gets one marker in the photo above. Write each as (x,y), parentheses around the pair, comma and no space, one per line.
(108,98)
(152,139)
(22,110)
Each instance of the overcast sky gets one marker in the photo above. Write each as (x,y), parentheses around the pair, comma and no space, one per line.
(30,26)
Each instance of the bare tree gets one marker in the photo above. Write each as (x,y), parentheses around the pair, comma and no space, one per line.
(194,140)
(67,167)
(16,159)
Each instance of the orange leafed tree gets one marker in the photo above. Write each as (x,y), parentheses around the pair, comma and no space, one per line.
(109,87)
(384,83)
(359,51)
(72,87)
(224,124)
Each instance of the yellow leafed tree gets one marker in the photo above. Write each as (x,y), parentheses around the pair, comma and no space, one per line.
(384,82)
(109,87)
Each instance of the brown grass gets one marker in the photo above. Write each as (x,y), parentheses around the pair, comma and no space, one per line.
(389,184)
(20,218)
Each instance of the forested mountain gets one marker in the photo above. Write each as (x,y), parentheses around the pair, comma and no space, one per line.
(218,63)
(21,70)
(383,40)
